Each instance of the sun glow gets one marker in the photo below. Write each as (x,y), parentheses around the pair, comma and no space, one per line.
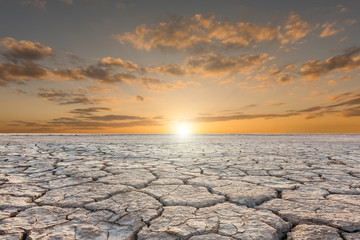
(183,129)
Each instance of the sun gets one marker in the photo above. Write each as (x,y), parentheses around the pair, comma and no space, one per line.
(183,129)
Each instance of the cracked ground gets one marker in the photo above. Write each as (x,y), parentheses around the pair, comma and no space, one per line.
(210,187)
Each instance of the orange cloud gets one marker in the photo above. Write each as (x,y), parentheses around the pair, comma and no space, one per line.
(109,61)
(295,29)
(329,30)
(205,33)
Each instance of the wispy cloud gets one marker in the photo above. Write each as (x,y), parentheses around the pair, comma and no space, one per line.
(89,111)
(351,112)
(330,30)
(74,123)
(350,100)
(86,120)
(241,117)
(74,59)
(341,8)
(111,118)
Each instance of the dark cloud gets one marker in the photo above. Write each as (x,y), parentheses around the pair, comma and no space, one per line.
(213,64)
(95,72)
(342,96)
(150,80)
(140,98)
(52,95)
(286,69)
(311,109)
(101,89)
(25,123)
(251,106)
(89,111)
(150,83)
(25,50)
(286,79)
(354,101)
(19,91)
(81,100)
(67,97)
(73,58)
(75,123)
(351,112)
(86,119)
(308,113)
(68,74)
(278,104)
(171,69)
(110,118)
(98,73)
(348,61)
(241,117)
(18,73)
(344,100)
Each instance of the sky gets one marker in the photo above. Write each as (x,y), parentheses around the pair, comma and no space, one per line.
(229,66)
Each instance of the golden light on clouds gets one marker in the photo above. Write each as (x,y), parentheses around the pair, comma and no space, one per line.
(140,71)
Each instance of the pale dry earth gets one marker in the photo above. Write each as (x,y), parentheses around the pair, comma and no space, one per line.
(205,187)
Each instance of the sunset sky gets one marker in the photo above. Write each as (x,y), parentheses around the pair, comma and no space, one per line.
(146,66)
